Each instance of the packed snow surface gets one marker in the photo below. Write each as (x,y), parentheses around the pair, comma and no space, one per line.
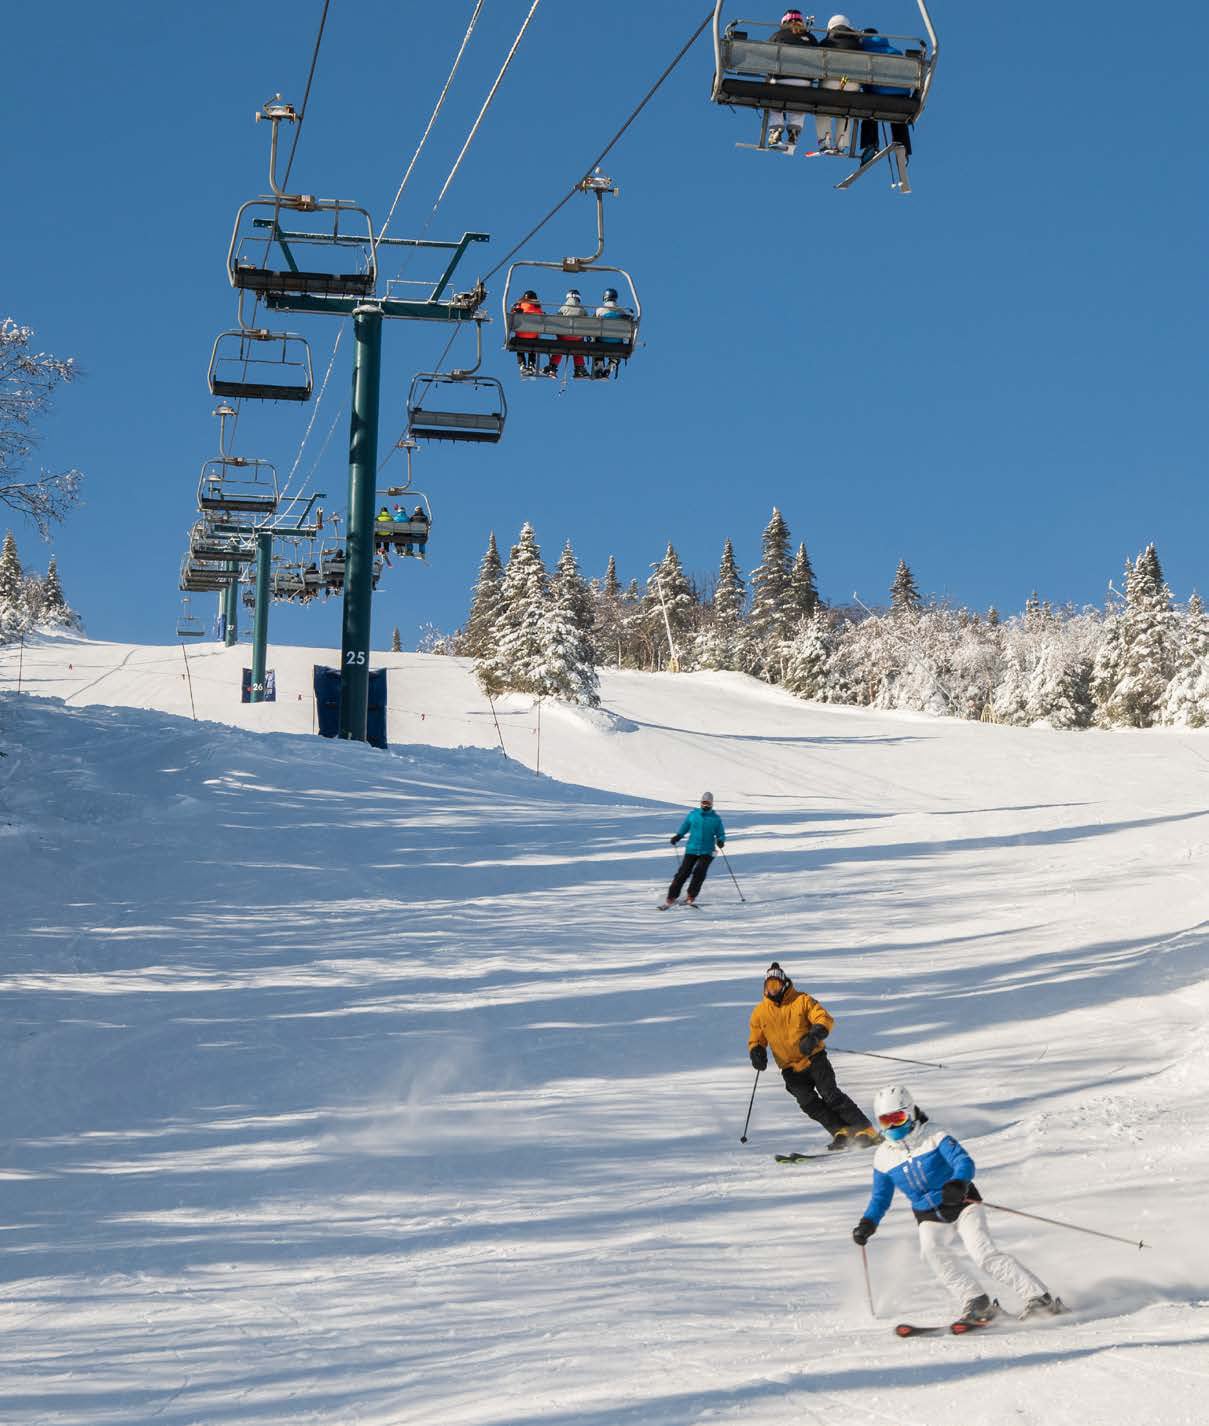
(344,1086)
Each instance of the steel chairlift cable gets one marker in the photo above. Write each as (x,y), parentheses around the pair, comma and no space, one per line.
(306,95)
(499,79)
(650,94)
(474,19)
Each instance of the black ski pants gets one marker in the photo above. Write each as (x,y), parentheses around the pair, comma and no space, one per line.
(821,1098)
(694,865)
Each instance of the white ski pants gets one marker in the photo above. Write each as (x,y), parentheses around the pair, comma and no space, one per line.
(787,118)
(843,127)
(938,1248)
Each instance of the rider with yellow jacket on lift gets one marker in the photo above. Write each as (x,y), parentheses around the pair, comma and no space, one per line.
(794,1026)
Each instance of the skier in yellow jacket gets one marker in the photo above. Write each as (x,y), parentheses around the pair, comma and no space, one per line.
(794,1026)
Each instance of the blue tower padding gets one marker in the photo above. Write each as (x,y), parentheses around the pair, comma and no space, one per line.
(327,704)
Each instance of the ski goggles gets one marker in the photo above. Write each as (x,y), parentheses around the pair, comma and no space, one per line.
(893,1119)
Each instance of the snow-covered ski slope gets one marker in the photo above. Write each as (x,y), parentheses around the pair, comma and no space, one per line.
(352,1087)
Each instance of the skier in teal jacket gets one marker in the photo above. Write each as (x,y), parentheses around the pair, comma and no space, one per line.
(704,830)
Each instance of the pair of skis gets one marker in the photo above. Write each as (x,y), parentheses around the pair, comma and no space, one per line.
(667,906)
(964,1325)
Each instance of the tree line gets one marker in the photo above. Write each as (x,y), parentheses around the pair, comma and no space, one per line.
(1138,662)
(29,600)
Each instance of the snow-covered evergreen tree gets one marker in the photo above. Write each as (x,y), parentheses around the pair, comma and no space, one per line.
(808,659)
(396,641)
(1135,665)
(670,607)
(721,643)
(904,592)
(12,604)
(773,612)
(608,626)
(802,584)
(514,661)
(485,604)
(1186,700)
(568,661)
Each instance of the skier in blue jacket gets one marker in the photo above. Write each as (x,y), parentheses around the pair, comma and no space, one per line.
(937,1175)
(704,830)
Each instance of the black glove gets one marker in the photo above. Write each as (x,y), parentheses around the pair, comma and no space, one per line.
(812,1041)
(675,841)
(863,1231)
(759,1057)
(952,1200)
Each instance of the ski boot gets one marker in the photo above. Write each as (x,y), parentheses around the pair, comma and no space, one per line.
(840,1141)
(979,1309)
(867,1138)
(1043,1306)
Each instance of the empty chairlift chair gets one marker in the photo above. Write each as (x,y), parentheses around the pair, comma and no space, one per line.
(256,365)
(238,484)
(188,625)
(444,406)
(287,244)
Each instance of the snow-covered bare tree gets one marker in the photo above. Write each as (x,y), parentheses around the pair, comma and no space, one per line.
(28,381)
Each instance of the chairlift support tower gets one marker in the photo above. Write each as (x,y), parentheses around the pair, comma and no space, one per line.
(276,223)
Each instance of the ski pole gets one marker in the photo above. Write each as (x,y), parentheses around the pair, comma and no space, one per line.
(733,877)
(868,1284)
(1058,1223)
(750,1102)
(898,1059)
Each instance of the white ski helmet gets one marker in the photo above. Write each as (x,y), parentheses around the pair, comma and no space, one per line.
(889,1104)
(838,22)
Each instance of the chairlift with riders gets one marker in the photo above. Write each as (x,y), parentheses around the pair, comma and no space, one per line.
(536,334)
(881,80)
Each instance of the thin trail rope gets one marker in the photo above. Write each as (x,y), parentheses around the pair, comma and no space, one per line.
(499,79)
(604,153)
(474,19)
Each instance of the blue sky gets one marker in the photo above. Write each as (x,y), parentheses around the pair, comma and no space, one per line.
(1000,378)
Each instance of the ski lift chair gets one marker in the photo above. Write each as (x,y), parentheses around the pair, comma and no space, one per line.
(188,625)
(609,339)
(435,422)
(238,483)
(407,537)
(750,70)
(475,419)
(206,543)
(332,565)
(264,255)
(257,365)
(551,334)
